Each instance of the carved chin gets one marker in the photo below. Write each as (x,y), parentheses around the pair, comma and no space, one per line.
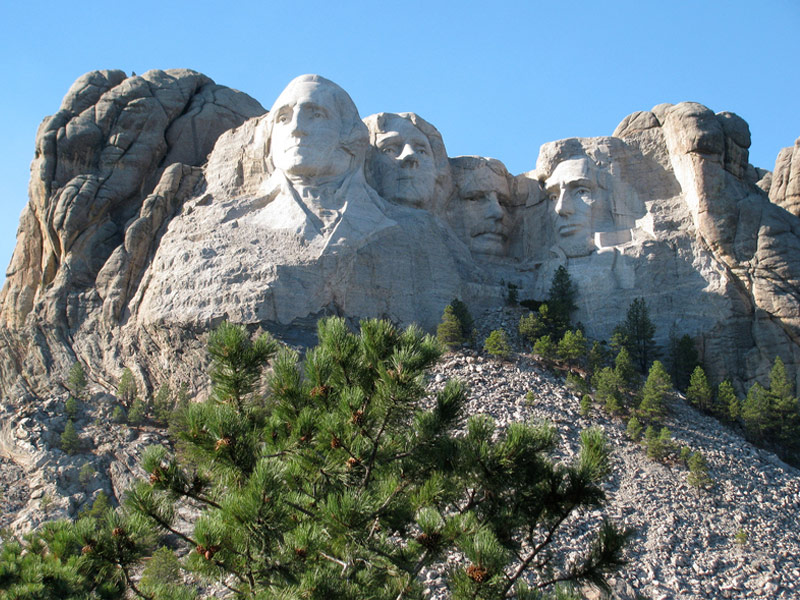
(491,244)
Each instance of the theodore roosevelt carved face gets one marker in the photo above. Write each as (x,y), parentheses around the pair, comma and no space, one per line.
(480,215)
(579,206)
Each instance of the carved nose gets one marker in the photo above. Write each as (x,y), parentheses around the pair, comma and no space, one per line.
(564,205)
(408,157)
(493,209)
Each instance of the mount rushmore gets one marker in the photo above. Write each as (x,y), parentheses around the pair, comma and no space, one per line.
(162,204)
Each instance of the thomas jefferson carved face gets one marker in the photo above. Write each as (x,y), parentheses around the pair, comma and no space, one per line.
(307,126)
(403,168)
(580,207)
(484,197)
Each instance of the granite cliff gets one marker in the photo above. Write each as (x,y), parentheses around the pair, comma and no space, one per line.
(162,204)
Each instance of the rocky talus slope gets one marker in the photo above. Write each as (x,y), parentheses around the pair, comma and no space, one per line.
(685,543)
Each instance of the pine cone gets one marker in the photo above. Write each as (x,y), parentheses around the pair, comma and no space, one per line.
(87,549)
(429,541)
(300,553)
(222,443)
(357,418)
(117,532)
(352,462)
(477,573)
(335,442)
(320,390)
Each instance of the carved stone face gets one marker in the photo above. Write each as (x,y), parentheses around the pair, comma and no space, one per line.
(306,132)
(484,197)
(579,206)
(403,168)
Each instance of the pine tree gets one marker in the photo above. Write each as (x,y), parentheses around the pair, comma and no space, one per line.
(784,413)
(727,403)
(138,413)
(682,359)
(464,319)
(634,429)
(71,407)
(755,412)
(313,491)
(76,380)
(654,393)
(163,404)
(561,300)
(626,372)
(126,388)
(449,330)
(70,442)
(636,334)
(607,390)
(497,344)
(699,476)
(699,393)
(545,347)
(572,346)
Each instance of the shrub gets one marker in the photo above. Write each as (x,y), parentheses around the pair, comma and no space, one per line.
(70,442)
(497,344)
(530,398)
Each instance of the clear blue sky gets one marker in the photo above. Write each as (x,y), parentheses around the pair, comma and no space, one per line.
(496,80)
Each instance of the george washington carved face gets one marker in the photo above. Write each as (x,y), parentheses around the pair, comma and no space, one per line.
(311,127)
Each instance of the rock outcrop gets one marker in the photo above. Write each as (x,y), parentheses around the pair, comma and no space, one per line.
(784,187)
(163,204)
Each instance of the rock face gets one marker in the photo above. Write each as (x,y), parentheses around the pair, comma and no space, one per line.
(163,204)
(784,187)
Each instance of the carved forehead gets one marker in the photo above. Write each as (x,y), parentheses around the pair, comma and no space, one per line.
(306,92)
(573,170)
(482,178)
(394,127)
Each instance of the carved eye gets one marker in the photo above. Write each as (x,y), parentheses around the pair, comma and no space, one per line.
(553,197)
(583,191)
(421,151)
(283,118)
(390,150)
(318,114)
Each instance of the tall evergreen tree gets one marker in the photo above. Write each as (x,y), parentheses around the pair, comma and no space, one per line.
(654,393)
(727,403)
(682,359)
(561,299)
(449,330)
(126,388)
(76,380)
(699,393)
(636,334)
